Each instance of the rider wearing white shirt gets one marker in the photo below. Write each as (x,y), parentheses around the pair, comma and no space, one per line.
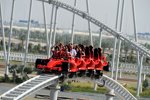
(73,52)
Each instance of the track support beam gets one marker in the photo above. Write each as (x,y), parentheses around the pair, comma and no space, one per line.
(110,95)
(54,92)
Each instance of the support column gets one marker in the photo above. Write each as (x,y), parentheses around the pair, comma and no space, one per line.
(117,15)
(139,76)
(54,29)
(134,24)
(50,34)
(120,74)
(113,58)
(110,95)
(118,55)
(89,24)
(95,86)
(10,35)
(100,37)
(119,42)
(28,36)
(144,77)
(4,45)
(115,41)
(45,25)
(54,92)
(73,19)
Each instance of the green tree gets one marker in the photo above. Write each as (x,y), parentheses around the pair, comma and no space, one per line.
(30,47)
(131,56)
(1,45)
(20,47)
(22,37)
(145,84)
(13,46)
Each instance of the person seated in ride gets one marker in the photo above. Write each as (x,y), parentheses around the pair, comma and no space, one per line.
(61,46)
(91,65)
(66,54)
(100,53)
(102,57)
(72,51)
(96,54)
(81,64)
(56,53)
(98,62)
(91,52)
(78,56)
(87,54)
(55,60)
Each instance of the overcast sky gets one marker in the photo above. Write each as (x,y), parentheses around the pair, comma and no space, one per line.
(103,10)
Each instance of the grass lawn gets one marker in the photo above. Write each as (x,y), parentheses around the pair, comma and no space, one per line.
(88,87)
(85,87)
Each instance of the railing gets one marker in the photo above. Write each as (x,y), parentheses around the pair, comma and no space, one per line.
(132,68)
(20,56)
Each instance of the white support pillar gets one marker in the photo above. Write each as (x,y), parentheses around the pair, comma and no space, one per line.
(100,37)
(4,45)
(45,25)
(121,19)
(89,24)
(95,86)
(144,77)
(73,19)
(28,35)
(118,55)
(115,40)
(113,57)
(120,73)
(110,95)
(54,29)
(119,42)
(139,76)
(117,15)
(136,39)
(50,34)
(54,92)
(10,35)
(134,24)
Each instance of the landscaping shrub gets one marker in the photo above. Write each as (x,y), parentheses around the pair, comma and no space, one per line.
(28,70)
(145,84)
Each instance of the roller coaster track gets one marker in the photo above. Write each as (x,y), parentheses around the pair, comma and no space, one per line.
(118,88)
(30,86)
(41,81)
(143,50)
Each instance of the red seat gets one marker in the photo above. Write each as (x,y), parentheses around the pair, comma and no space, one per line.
(82,65)
(91,65)
(99,66)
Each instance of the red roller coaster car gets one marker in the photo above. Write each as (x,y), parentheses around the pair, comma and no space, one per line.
(92,64)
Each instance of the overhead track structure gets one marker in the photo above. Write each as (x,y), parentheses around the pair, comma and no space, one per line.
(132,68)
(143,50)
